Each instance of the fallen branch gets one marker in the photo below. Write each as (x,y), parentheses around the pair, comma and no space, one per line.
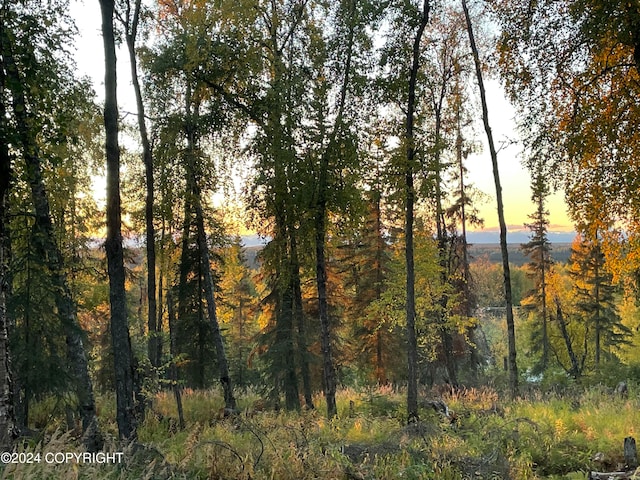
(631,475)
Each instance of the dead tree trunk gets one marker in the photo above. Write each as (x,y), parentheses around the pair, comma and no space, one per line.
(575,369)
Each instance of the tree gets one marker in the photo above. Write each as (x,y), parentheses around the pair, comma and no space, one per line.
(462,214)
(571,68)
(538,249)
(238,302)
(511,336)
(412,351)
(445,70)
(337,145)
(7,415)
(131,20)
(188,125)
(121,343)
(16,63)
(595,295)
(376,339)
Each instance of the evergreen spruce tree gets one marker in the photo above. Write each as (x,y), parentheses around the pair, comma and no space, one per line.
(538,249)
(596,298)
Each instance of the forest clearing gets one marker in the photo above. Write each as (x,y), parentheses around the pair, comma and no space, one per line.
(362,336)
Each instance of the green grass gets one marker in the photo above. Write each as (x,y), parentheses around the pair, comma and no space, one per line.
(490,439)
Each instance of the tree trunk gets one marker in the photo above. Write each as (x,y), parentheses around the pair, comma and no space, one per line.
(596,295)
(443,253)
(575,369)
(173,369)
(545,324)
(223,366)
(381,374)
(48,250)
(323,306)
(147,155)
(412,342)
(474,357)
(7,414)
(320,224)
(511,335)
(300,321)
(205,263)
(122,355)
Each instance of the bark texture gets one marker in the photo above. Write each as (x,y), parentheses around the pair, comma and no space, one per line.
(7,414)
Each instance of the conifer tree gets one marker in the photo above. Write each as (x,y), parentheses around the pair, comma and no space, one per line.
(538,249)
(596,292)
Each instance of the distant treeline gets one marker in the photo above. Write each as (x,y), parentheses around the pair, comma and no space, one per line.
(560,252)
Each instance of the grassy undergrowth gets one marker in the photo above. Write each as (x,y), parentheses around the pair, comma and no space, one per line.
(488,438)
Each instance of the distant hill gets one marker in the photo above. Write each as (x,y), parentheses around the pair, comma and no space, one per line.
(482,244)
(516,237)
(560,252)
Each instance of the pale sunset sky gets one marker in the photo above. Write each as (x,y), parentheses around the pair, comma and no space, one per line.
(514,177)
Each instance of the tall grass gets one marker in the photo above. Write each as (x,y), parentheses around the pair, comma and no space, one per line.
(485,437)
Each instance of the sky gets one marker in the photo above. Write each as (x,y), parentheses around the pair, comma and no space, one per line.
(514,176)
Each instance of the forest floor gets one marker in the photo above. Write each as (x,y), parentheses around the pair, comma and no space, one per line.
(484,437)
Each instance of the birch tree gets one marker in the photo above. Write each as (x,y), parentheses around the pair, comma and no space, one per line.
(121,343)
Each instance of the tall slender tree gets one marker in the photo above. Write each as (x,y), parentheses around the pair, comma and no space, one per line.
(511,331)
(130,19)
(538,249)
(410,194)
(348,14)
(121,343)
(7,415)
(44,236)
